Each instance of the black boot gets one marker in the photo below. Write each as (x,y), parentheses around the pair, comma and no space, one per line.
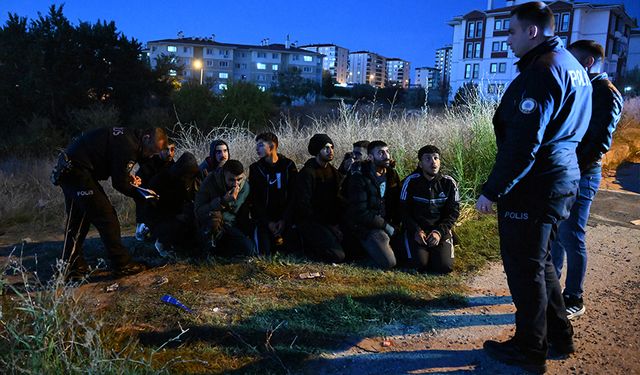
(130,268)
(511,353)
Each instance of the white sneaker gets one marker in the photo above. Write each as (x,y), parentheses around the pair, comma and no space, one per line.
(161,250)
(142,232)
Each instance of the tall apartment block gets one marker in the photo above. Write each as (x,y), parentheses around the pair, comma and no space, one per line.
(398,72)
(480,53)
(223,63)
(367,68)
(335,60)
(443,63)
(428,77)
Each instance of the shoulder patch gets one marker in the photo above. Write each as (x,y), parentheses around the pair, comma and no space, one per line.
(528,105)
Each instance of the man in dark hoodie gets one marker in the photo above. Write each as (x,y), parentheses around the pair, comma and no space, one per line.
(317,206)
(272,180)
(171,217)
(218,155)
(147,170)
(606,112)
(430,206)
(96,156)
(373,190)
(222,211)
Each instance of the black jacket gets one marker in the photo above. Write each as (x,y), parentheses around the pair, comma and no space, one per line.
(109,152)
(542,116)
(176,187)
(316,196)
(607,110)
(366,208)
(272,189)
(429,205)
(151,167)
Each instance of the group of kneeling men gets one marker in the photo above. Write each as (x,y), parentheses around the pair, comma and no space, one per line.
(360,211)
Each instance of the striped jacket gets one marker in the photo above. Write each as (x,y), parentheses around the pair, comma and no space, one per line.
(429,205)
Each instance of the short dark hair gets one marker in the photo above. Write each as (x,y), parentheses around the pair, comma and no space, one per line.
(268,137)
(428,149)
(590,48)
(234,167)
(372,146)
(536,13)
(156,134)
(361,144)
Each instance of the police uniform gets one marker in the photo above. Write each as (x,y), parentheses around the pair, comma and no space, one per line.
(96,156)
(542,116)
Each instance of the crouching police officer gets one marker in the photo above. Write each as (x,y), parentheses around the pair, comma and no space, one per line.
(95,156)
(540,120)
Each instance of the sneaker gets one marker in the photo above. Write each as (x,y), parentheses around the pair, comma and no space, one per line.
(161,249)
(575,307)
(130,268)
(142,232)
(510,353)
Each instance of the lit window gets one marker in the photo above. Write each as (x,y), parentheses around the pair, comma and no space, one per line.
(172,49)
(222,86)
(479,29)
(495,47)
(274,67)
(467,71)
(476,70)
(308,58)
(262,88)
(173,73)
(493,68)
(477,51)
(261,66)
(502,68)
(498,25)
(564,26)
(504,46)
(505,24)
(223,75)
(469,53)
(472,30)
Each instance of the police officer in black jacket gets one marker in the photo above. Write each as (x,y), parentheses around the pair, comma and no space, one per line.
(272,180)
(541,118)
(607,109)
(96,156)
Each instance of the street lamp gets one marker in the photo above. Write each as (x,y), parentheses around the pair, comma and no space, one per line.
(197,64)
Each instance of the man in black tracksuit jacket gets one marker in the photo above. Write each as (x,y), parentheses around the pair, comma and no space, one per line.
(430,206)
(541,118)
(607,109)
(317,204)
(96,156)
(171,217)
(272,180)
(373,190)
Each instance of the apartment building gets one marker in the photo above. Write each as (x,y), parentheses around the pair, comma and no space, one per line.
(367,68)
(398,72)
(633,61)
(222,63)
(443,63)
(428,77)
(480,52)
(335,60)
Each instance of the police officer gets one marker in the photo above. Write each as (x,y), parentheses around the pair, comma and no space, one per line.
(607,110)
(541,118)
(96,156)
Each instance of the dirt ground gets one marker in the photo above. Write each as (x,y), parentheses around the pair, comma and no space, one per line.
(607,336)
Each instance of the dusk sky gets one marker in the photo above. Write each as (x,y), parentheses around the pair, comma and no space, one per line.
(411,30)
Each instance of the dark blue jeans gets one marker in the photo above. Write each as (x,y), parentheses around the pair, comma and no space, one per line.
(571,235)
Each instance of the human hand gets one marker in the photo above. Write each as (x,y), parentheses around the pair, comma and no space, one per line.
(433,239)
(484,205)
(421,237)
(135,180)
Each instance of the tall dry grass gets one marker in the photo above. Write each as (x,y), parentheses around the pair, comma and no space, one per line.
(626,139)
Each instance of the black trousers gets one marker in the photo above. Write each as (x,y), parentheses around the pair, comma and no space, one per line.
(266,242)
(86,203)
(234,242)
(436,259)
(527,223)
(320,242)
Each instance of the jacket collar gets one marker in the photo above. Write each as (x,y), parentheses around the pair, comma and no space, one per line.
(551,44)
(598,76)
